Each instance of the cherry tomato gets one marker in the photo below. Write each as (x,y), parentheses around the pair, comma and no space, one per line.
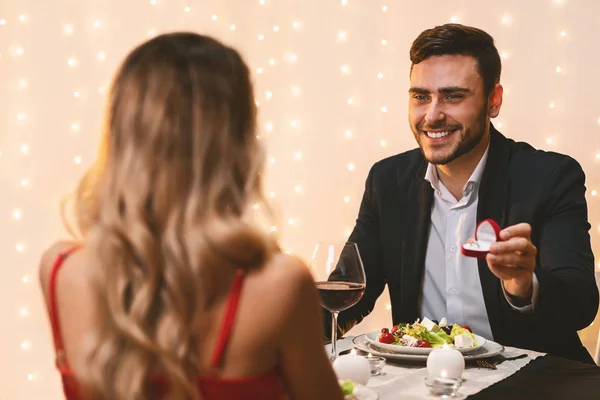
(467,328)
(395,329)
(387,338)
(423,343)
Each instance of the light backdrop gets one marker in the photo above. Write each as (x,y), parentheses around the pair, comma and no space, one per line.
(331,80)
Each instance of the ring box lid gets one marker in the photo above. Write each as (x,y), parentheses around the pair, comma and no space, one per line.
(486,233)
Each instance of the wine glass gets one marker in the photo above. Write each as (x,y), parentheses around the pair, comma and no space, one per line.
(340,279)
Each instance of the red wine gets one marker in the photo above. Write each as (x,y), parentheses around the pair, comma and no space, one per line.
(338,296)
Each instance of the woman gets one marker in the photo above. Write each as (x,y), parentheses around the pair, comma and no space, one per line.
(173,292)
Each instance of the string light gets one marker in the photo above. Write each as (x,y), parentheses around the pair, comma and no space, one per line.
(187,9)
(269,127)
(298,155)
(298,189)
(383,143)
(504,55)
(20,247)
(77,160)
(296,24)
(21,117)
(272,160)
(72,62)
(346,199)
(383,42)
(259,71)
(296,90)
(380,75)
(24,312)
(22,18)
(506,19)
(261,36)
(24,182)
(345,69)
(24,148)
(17,214)
(101,56)
(214,17)
(68,29)
(268,94)
(261,2)
(563,33)
(594,192)
(97,24)
(341,36)
(22,83)
(552,105)
(291,58)
(232,27)
(2,22)
(454,19)
(348,134)
(384,8)
(384,109)
(344,2)
(276,28)
(558,69)
(351,167)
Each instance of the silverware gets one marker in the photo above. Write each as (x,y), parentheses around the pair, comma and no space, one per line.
(492,364)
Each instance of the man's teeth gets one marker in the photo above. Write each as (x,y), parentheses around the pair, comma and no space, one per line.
(437,135)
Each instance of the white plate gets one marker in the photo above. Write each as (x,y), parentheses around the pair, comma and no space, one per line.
(489,349)
(362,393)
(372,337)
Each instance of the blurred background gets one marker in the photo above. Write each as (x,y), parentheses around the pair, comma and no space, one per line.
(331,80)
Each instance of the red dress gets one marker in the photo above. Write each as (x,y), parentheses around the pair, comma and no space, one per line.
(263,387)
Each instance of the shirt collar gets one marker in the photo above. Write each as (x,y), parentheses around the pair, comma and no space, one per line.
(431,174)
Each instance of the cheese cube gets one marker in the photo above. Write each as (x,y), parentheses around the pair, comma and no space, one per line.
(443,322)
(409,341)
(463,341)
(430,325)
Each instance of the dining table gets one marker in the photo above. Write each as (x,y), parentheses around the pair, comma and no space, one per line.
(531,376)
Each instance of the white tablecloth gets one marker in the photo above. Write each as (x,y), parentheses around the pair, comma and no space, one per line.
(407,381)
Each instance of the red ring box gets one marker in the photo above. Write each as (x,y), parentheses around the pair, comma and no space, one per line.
(486,233)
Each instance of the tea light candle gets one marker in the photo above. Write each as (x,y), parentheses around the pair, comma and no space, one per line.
(446,363)
(352,367)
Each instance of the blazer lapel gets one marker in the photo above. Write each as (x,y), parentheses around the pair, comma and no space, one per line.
(493,203)
(416,220)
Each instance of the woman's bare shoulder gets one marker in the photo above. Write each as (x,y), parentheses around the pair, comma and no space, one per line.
(289,274)
(49,257)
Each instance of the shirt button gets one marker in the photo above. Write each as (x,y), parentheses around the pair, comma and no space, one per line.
(453,292)
(452,248)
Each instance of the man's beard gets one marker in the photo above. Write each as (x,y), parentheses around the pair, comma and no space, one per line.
(471,138)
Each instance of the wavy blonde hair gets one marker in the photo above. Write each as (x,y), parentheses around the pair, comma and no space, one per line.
(167,200)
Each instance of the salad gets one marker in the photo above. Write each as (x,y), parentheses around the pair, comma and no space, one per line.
(347,389)
(429,333)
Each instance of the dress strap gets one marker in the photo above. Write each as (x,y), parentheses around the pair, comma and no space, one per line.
(229,320)
(61,362)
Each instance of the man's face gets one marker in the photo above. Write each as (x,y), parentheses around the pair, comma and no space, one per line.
(448,110)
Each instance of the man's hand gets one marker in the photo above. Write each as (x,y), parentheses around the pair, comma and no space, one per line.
(512,260)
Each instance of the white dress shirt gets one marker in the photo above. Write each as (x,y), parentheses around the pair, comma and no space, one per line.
(451,285)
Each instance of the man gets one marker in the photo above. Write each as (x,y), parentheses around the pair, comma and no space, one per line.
(536,288)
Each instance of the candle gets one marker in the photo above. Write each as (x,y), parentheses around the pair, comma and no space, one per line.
(352,367)
(446,363)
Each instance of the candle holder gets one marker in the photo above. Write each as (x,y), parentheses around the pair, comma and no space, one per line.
(444,387)
(377,364)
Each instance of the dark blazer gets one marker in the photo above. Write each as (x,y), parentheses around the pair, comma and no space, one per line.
(519,184)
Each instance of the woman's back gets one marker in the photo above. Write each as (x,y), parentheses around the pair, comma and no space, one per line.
(275,336)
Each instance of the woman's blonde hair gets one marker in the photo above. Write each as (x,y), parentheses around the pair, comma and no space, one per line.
(168,199)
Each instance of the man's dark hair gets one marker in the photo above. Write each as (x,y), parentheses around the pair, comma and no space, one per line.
(456,39)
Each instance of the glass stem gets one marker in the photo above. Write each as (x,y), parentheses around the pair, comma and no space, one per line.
(334,332)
